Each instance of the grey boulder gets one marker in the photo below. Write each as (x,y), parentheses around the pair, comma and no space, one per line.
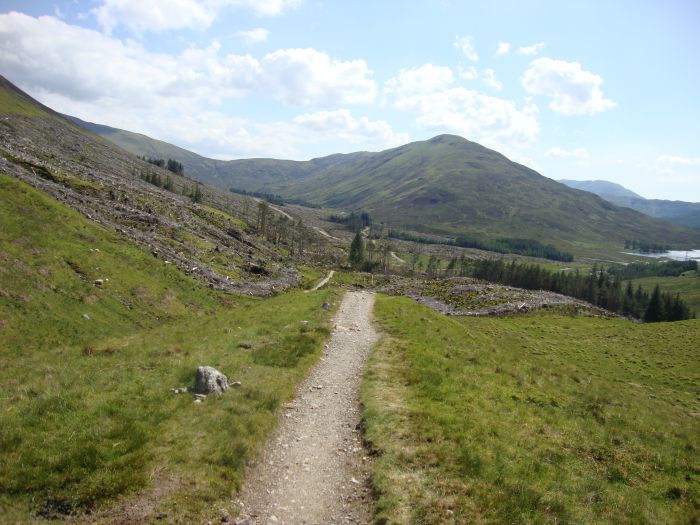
(209,380)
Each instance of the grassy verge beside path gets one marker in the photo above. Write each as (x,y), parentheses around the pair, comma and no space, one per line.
(540,418)
(88,421)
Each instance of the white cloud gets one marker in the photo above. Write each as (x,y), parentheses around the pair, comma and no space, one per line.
(341,124)
(464,44)
(503,48)
(678,161)
(573,91)
(253,36)
(489,78)
(468,74)
(580,156)
(160,15)
(531,50)
(492,121)
(307,77)
(141,16)
(262,7)
(50,56)
(99,78)
(424,79)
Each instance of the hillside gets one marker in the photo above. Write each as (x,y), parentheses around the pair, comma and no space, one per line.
(113,290)
(602,188)
(677,212)
(444,186)
(448,185)
(208,235)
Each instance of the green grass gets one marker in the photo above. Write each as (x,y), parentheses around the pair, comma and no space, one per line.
(87,418)
(541,418)
(13,103)
(687,285)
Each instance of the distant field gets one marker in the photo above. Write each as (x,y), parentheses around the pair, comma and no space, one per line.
(687,285)
(531,419)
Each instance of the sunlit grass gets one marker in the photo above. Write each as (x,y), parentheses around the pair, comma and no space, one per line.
(87,416)
(538,418)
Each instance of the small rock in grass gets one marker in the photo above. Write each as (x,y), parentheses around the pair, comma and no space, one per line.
(99,282)
(208,380)
(236,384)
(86,316)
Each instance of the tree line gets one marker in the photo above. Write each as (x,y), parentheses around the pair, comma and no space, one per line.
(194,192)
(637,270)
(600,287)
(171,165)
(355,221)
(273,198)
(646,247)
(526,247)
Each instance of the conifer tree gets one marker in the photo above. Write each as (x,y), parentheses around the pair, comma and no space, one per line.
(357,252)
(655,311)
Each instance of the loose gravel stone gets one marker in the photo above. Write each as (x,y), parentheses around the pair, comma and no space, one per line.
(314,468)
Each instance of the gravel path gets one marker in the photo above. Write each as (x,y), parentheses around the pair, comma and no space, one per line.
(323,281)
(314,469)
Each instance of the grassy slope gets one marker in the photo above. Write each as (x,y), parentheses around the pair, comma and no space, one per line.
(86,414)
(677,212)
(538,418)
(197,166)
(687,285)
(446,185)
(450,185)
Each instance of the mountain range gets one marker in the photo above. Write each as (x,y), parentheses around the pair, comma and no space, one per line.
(445,186)
(677,212)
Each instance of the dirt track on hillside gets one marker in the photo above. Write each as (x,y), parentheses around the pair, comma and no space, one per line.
(314,469)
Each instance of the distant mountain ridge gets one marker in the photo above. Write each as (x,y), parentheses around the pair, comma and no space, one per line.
(601,188)
(677,212)
(444,186)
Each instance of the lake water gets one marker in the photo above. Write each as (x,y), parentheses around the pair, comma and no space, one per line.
(676,255)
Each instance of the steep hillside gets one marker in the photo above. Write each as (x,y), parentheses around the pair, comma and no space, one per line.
(200,230)
(677,212)
(450,185)
(113,290)
(446,186)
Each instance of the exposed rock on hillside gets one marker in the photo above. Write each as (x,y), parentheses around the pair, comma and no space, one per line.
(210,240)
(470,297)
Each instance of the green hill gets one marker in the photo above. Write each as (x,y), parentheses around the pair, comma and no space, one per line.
(113,290)
(602,188)
(677,212)
(444,186)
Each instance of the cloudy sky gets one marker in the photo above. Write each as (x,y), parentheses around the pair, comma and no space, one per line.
(576,89)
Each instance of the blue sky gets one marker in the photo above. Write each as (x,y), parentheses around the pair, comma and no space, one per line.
(575,89)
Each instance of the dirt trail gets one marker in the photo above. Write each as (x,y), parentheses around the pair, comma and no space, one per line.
(399,259)
(314,469)
(326,234)
(323,281)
